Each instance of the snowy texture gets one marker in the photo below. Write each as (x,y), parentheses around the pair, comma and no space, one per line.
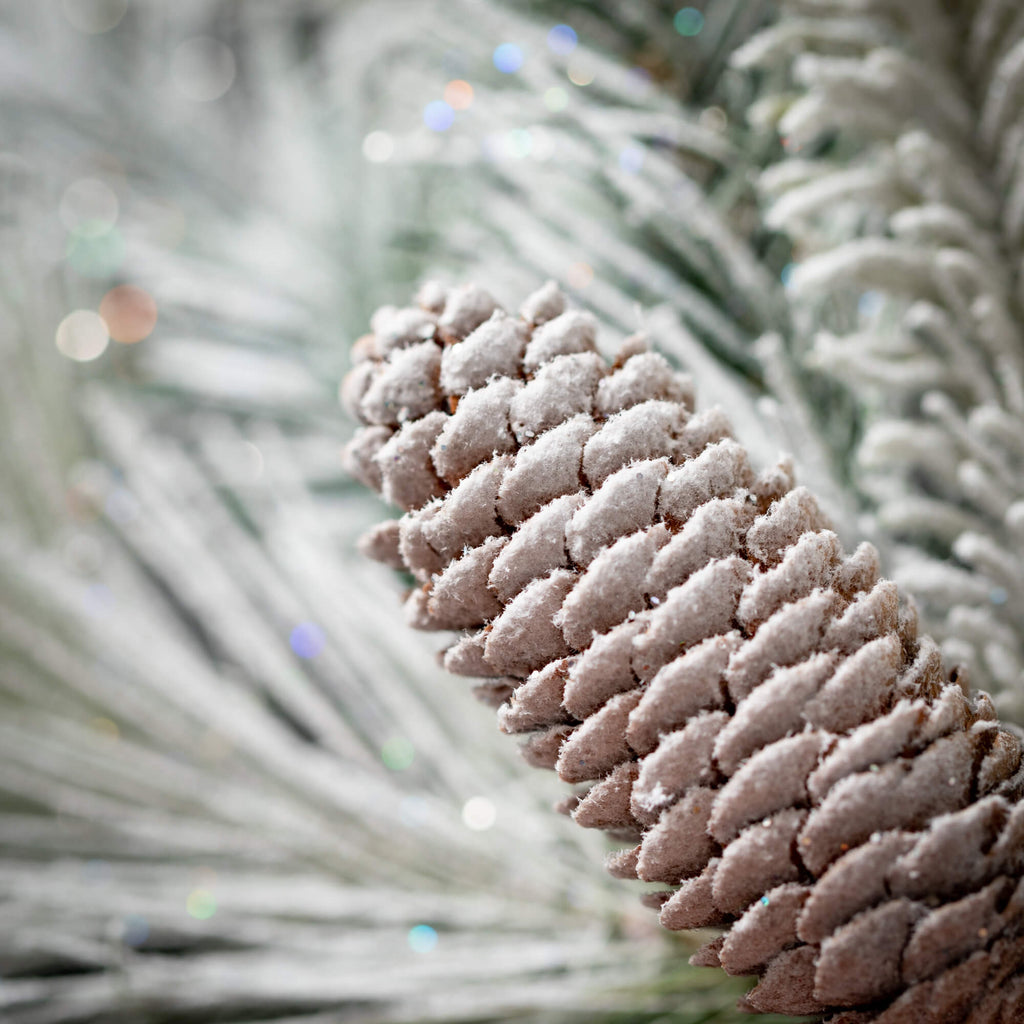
(196,677)
(838,730)
(901,184)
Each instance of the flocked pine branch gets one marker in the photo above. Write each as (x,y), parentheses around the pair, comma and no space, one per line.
(901,185)
(635,193)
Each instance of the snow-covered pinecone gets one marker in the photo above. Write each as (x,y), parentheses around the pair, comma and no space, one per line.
(752,708)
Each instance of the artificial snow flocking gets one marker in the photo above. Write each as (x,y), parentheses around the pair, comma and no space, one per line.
(749,710)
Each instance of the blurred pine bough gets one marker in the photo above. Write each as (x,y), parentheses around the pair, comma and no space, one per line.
(201,820)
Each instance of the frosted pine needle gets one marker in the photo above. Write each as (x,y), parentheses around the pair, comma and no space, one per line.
(901,184)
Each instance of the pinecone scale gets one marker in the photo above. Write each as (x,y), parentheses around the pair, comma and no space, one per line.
(750,709)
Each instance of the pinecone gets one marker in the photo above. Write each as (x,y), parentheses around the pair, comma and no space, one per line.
(752,709)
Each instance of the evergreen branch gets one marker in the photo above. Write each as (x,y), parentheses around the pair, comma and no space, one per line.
(898,189)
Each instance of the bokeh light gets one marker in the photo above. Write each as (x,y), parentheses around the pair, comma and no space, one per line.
(508,58)
(518,143)
(458,94)
(714,119)
(99,600)
(129,313)
(638,80)
(438,116)
(252,462)
(413,811)
(422,938)
(82,336)
(94,16)
(562,39)
(134,930)
(307,640)
(105,727)
(870,303)
(631,159)
(397,753)
(580,74)
(92,252)
(202,69)
(378,147)
(579,276)
(97,871)
(688,21)
(121,506)
(201,904)
(556,98)
(88,206)
(479,813)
